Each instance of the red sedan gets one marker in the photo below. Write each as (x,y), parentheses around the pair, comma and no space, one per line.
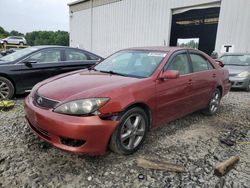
(119,100)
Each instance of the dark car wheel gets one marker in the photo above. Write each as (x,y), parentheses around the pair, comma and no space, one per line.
(6,88)
(130,134)
(21,43)
(214,103)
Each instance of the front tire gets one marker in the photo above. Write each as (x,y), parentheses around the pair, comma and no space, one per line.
(131,133)
(6,88)
(214,104)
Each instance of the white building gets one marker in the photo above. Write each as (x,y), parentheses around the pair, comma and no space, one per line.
(105,26)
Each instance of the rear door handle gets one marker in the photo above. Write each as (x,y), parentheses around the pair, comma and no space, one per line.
(190,82)
(214,75)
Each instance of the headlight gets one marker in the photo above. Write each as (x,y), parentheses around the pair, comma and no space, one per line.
(81,107)
(243,74)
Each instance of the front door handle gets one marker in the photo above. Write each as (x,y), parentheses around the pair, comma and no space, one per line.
(214,75)
(190,82)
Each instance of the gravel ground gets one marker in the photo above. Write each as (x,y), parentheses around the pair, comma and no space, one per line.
(193,141)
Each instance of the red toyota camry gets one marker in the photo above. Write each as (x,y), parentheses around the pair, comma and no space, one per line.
(118,101)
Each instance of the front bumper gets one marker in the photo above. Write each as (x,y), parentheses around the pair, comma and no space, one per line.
(54,128)
(239,82)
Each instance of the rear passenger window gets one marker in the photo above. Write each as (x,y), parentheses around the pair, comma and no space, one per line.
(199,63)
(73,55)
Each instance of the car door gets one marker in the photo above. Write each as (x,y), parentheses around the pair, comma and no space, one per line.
(174,95)
(39,66)
(204,79)
(15,40)
(11,40)
(75,59)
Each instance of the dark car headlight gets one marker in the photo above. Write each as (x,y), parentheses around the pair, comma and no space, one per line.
(81,107)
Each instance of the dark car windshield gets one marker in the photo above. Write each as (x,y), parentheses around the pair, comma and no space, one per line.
(139,64)
(240,60)
(16,55)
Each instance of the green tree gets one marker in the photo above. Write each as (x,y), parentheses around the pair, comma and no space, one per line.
(48,38)
(3,33)
(190,44)
(16,33)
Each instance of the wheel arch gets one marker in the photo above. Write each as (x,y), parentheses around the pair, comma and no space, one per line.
(221,89)
(143,106)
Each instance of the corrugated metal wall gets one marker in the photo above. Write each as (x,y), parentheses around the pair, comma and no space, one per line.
(129,23)
(80,29)
(234,25)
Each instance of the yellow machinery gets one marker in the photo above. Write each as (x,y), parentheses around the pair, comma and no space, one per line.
(5,47)
(6,104)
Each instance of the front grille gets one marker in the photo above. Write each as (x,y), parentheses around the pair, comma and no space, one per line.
(232,74)
(44,102)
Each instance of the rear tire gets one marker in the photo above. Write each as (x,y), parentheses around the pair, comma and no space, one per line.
(131,133)
(21,43)
(7,89)
(214,104)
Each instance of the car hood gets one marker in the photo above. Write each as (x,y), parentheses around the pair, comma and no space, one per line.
(84,84)
(234,70)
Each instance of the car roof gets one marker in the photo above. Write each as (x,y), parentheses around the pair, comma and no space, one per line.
(64,47)
(15,36)
(53,46)
(48,46)
(158,48)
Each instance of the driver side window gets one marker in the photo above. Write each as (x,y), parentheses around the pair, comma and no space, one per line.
(179,63)
(46,56)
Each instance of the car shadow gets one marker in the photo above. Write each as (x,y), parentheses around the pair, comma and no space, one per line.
(20,96)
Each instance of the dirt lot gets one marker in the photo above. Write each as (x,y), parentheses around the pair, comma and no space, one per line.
(193,141)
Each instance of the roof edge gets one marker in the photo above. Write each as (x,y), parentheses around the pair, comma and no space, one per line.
(76,2)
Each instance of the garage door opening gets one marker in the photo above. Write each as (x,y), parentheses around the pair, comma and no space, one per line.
(196,24)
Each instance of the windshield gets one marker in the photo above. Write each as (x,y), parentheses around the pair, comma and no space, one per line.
(240,60)
(132,63)
(16,55)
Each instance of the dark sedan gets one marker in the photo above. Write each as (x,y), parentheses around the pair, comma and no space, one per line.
(239,69)
(21,70)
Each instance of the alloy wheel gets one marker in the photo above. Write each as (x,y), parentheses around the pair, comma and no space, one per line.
(133,131)
(215,102)
(4,90)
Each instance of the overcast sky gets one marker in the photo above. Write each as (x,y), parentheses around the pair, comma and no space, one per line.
(29,15)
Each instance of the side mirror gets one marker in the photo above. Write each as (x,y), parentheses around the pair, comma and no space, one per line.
(98,61)
(170,74)
(219,62)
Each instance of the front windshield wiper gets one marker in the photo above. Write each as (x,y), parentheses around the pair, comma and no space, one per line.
(112,72)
